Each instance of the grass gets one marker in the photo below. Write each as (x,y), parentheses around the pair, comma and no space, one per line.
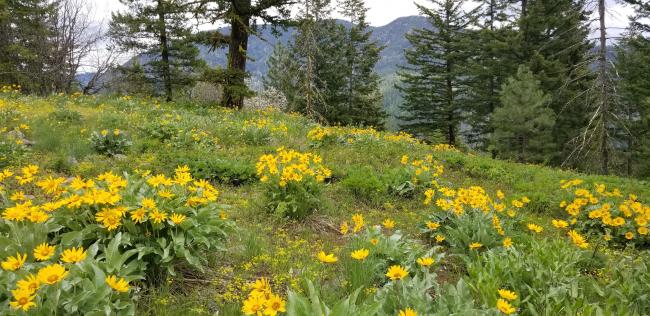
(222,145)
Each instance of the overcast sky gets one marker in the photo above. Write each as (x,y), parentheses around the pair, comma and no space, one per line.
(381,12)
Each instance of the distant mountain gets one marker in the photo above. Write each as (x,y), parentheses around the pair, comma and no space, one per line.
(391,36)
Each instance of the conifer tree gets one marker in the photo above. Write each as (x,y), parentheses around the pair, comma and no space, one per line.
(642,13)
(159,30)
(243,17)
(523,123)
(434,83)
(633,87)
(491,65)
(362,100)
(25,30)
(283,74)
(553,42)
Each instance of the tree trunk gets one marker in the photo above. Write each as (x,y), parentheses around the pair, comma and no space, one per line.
(237,50)
(164,49)
(604,95)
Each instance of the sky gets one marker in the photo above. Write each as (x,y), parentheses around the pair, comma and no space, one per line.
(381,12)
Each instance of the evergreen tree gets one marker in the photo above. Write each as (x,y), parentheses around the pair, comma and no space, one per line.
(642,13)
(25,29)
(553,42)
(434,83)
(243,17)
(633,86)
(159,29)
(523,124)
(488,69)
(362,99)
(327,71)
(283,74)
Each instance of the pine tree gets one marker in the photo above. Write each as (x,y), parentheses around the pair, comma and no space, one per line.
(633,87)
(553,42)
(283,74)
(642,13)
(491,65)
(307,51)
(523,124)
(25,30)
(434,82)
(159,30)
(243,17)
(362,100)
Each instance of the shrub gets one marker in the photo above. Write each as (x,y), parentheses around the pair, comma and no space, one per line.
(132,227)
(292,181)
(162,130)
(65,115)
(546,275)
(235,172)
(619,220)
(415,176)
(11,151)
(110,143)
(364,183)
(471,220)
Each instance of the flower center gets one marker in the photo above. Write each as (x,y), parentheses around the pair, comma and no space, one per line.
(52,278)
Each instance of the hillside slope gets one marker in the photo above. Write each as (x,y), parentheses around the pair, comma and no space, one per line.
(382,192)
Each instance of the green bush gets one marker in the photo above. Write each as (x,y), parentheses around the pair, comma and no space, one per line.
(256,136)
(65,115)
(364,183)
(235,172)
(399,183)
(110,143)
(10,151)
(160,130)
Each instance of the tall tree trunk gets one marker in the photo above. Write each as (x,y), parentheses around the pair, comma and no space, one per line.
(164,48)
(237,50)
(604,93)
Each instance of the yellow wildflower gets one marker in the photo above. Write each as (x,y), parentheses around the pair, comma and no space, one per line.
(52,274)
(325,258)
(73,255)
(116,284)
(360,254)
(507,294)
(14,263)
(425,261)
(43,252)
(396,272)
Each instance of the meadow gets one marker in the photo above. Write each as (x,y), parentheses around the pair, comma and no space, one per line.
(123,206)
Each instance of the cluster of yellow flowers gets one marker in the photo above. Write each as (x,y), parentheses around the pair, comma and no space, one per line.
(352,135)
(445,147)
(318,133)
(617,216)
(12,88)
(504,301)
(104,193)
(262,301)
(357,220)
(424,167)
(49,274)
(474,197)
(266,123)
(288,166)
